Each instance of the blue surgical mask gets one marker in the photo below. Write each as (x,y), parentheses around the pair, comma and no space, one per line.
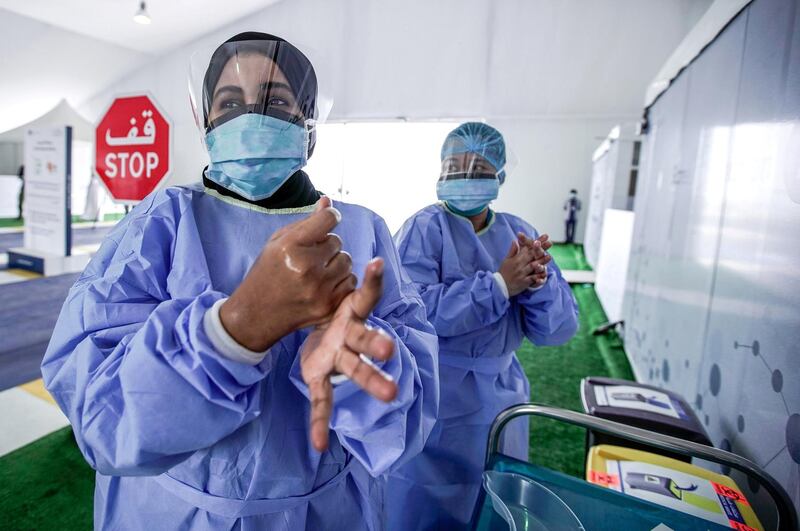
(468,197)
(253,154)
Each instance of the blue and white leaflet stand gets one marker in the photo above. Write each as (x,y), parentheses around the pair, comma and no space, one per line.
(47,240)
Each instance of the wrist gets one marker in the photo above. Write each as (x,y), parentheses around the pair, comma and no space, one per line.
(224,343)
(543,284)
(241,321)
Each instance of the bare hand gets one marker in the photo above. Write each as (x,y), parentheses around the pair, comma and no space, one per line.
(300,278)
(517,269)
(335,347)
(538,248)
(544,240)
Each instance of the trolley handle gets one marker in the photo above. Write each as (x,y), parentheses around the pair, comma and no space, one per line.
(787,515)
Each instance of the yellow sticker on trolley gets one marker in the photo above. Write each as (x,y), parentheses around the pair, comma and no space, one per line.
(673,484)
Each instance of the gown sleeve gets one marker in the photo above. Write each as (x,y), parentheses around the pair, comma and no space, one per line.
(132,367)
(457,307)
(382,436)
(549,313)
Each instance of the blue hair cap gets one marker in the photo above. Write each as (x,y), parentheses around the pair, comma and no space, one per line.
(481,139)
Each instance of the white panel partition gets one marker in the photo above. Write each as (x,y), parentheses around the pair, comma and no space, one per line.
(711,305)
(612,264)
(614,173)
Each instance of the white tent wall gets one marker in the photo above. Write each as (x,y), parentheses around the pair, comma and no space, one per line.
(10,157)
(553,76)
(555,155)
(61,114)
(42,65)
(10,160)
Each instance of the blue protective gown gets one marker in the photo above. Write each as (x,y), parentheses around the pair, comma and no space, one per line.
(183,438)
(479,329)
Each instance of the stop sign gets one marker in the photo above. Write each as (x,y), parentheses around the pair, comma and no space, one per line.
(132,147)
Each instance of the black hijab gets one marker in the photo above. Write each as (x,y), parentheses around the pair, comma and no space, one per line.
(298,190)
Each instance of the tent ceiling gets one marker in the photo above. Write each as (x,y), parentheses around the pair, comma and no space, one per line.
(412,58)
(173,21)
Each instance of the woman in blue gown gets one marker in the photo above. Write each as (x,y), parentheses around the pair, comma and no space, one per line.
(487,283)
(223,361)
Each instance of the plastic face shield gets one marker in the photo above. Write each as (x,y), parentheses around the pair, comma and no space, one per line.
(269,78)
(475,151)
(466,166)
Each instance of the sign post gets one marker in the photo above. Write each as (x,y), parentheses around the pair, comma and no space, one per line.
(132,148)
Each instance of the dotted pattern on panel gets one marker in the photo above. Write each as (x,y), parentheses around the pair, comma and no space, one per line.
(773,378)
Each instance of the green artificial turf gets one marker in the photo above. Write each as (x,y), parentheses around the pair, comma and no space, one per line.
(48,485)
(10,222)
(555,374)
(570,256)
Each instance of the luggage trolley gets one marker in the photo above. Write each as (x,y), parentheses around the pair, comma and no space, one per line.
(522,496)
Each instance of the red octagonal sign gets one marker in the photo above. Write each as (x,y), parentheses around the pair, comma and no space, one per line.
(132,147)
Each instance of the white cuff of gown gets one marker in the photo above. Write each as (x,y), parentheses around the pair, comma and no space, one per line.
(501,282)
(222,340)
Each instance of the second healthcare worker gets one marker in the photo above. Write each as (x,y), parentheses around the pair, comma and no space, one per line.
(211,358)
(487,283)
